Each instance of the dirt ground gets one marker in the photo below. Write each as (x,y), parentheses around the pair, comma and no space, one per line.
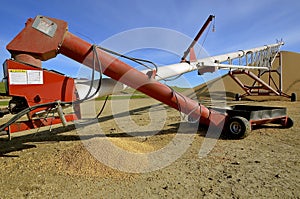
(57,164)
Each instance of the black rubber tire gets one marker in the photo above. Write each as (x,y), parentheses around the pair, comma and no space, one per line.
(237,97)
(293,97)
(288,123)
(238,127)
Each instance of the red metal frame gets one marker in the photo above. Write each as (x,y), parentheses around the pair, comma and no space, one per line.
(38,123)
(260,87)
(276,120)
(55,87)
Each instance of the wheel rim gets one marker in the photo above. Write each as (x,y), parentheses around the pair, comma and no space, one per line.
(235,127)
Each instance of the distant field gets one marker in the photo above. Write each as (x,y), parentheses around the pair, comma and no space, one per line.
(4,103)
(175,88)
(131,93)
(2,87)
(3,100)
(128,93)
(116,97)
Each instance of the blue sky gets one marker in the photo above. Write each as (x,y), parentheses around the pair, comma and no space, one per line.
(239,24)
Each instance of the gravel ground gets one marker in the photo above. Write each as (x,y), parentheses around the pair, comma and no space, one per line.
(63,163)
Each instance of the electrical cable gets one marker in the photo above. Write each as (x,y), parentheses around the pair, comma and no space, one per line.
(23,112)
(93,76)
(95,59)
(205,37)
(47,113)
(137,60)
(103,106)
(172,78)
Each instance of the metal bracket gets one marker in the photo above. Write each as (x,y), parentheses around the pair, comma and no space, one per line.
(44,25)
(61,114)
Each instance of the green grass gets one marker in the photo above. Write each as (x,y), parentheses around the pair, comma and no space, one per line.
(119,97)
(4,103)
(175,88)
(179,89)
(130,93)
(2,87)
